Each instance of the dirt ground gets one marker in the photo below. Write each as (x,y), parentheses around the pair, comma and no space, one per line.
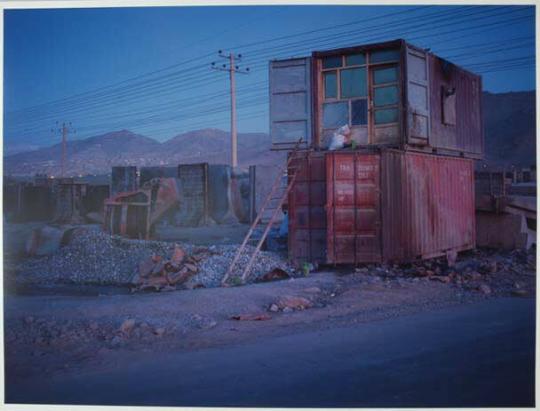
(51,334)
(84,326)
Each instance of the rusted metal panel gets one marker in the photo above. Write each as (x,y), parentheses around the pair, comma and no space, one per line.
(456,117)
(194,191)
(394,206)
(290,102)
(417,96)
(306,204)
(123,179)
(427,205)
(353,208)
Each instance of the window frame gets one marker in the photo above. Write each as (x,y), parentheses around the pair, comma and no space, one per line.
(339,97)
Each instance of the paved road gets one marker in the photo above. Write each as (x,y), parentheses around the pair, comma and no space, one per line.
(473,355)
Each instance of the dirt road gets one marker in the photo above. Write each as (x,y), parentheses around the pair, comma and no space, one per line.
(362,341)
(475,355)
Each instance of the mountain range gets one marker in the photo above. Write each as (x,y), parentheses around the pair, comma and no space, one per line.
(509,123)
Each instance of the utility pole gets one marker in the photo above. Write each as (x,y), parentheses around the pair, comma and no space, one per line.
(232,69)
(64,130)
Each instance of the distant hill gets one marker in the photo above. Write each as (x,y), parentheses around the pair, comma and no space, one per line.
(96,155)
(509,121)
(510,128)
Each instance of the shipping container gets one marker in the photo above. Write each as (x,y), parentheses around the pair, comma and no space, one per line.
(352,207)
(390,94)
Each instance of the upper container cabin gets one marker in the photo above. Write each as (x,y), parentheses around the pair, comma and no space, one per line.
(390,94)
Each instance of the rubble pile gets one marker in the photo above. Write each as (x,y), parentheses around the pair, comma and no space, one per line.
(160,274)
(94,257)
(484,271)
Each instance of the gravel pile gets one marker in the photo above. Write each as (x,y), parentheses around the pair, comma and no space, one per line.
(94,257)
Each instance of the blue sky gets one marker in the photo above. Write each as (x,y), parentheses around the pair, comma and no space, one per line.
(77,64)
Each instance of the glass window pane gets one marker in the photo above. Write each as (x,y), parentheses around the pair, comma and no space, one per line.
(355,59)
(384,96)
(330,85)
(389,115)
(359,112)
(385,75)
(381,56)
(353,83)
(331,62)
(335,114)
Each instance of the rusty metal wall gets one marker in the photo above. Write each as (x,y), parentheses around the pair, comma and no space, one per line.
(467,135)
(148,173)
(393,206)
(353,208)
(194,193)
(427,205)
(306,204)
(123,179)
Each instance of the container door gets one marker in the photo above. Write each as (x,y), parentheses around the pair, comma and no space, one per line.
(290,102)
(418,97)
(307,218)
(353,208)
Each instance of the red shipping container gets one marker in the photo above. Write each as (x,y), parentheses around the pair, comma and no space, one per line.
(385,206)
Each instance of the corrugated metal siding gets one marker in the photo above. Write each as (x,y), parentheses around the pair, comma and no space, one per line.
(307,217)
(353,211)
(427,205)
(467,134)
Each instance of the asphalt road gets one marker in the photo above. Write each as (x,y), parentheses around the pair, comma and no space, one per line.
(473,355)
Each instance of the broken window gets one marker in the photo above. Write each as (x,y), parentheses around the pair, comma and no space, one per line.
(353,83)
(330,84)
(332,62)
(359,112)
(335,114)
(449,105)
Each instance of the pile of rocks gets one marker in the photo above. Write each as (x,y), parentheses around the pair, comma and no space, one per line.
(94,257)
(485,271)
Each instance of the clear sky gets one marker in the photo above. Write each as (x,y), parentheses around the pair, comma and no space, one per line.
(148,69)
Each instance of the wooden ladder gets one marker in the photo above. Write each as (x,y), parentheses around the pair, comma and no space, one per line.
(274,209)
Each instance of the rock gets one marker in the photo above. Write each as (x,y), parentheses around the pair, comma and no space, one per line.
(421,272)
(45,241)
(178,255)
(160,331)
(451,257)
(273,308)
(191,267)
(94,326)
(251,317)
(116,341)
(274,275)
(288,310)
(442,278)
(28,320)
(293,302)
(362,270)
(520,293)
(484,289)
(146,267)
(127,326)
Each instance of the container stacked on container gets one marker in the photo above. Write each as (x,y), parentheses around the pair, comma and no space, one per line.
(403,187)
